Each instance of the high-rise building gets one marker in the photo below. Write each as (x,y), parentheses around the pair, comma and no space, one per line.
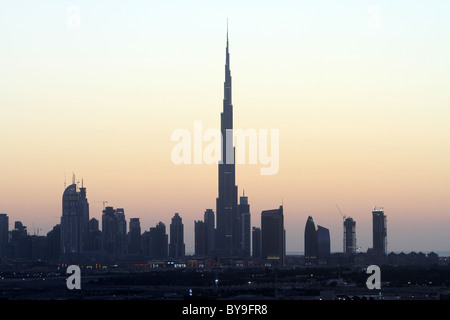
(4,230)
(54,243)
(74,221)
(20,244)
(228,227)
(323,245)
(256,243)
(199,238)
(176,246)
(210,232)
(110,230)
(317,243)
(122,243)
(349,236)
(245,221)
(311,248)
(379,232)
(273,236)
(156,242)
(95,236)
(134,236)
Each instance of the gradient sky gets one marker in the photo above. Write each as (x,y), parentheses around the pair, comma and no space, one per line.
(359,91)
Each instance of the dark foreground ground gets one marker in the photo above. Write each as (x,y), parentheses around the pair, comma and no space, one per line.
(256,283)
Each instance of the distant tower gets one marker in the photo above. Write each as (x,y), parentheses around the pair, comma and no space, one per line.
(244,212)
(199,236)
(176,246)
(323,245)
(273,236)
(158,242)
(228,226)
(110,230)
(122,246)
(349,236)
(210,232)
(311,248)
(4,230)
(379,231)
(134,236)
(317,243)
(74,221)
(256,243)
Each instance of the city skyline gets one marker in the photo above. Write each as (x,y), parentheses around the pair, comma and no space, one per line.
(379,133)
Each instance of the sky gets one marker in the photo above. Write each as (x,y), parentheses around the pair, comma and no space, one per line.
(358,91)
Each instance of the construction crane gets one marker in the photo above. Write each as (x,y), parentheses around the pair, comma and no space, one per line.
(354,247)
(343,216)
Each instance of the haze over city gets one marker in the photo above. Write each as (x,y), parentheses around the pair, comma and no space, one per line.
(358,92)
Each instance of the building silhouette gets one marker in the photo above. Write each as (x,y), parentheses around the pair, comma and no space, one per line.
(256,243)
(323,245)
(155,242)
(379,232)
(4,231)
(311,248)
(74,221)
(349,236)
(273,236)
(134,236)
(94,236)
(210,232)
(317,243)
(245,222)
(228,242)
(54,243)
(199,238)
(176,246)
(110,230)
(122,242)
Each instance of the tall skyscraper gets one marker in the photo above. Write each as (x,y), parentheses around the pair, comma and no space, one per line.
(210,232)
(95,236)
(176,246)
(122,243)
(245,222)
(273,236)
(317,243)
(199,238)
(323,245)
(256,243)
(379,232)
(311,248)
(4,229)
(349,236)
(228,227)
(134,236)
(159,241)
(74,221)
(110,230)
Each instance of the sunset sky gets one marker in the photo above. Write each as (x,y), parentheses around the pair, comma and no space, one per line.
(359,91)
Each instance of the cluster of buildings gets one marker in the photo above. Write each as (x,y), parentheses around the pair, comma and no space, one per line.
(225,233)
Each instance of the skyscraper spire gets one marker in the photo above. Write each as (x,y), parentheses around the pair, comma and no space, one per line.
(228,229)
